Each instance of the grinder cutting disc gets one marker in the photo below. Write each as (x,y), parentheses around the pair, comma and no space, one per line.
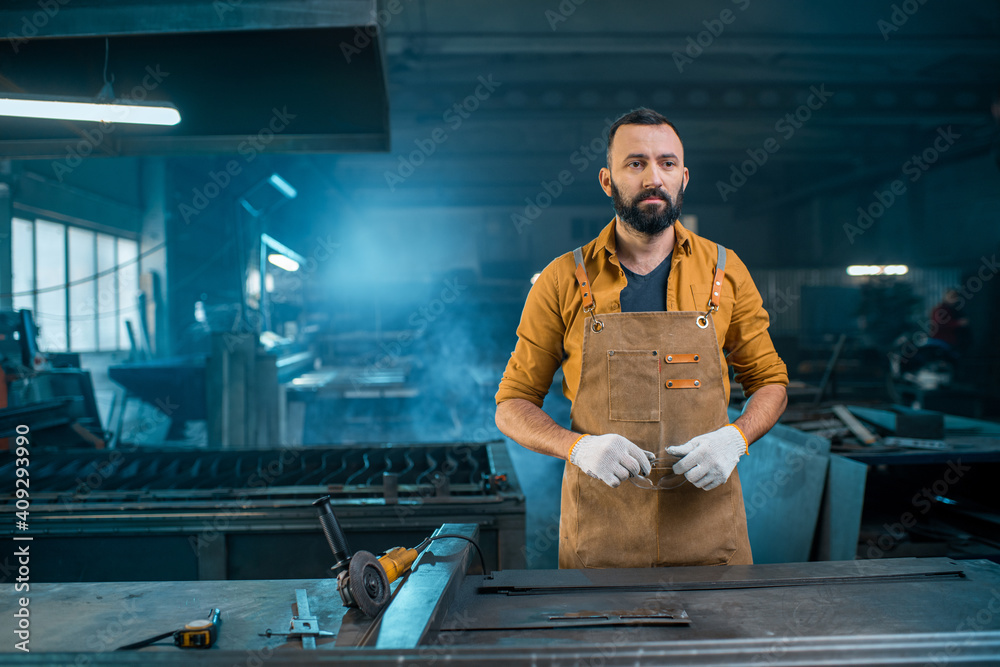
(369,584)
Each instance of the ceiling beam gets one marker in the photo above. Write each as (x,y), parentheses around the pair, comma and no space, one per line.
(30,19)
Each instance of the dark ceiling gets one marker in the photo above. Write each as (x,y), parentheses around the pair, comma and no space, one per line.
(891,89)
(561,68)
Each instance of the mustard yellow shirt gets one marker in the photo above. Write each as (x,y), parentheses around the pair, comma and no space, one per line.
(551,330)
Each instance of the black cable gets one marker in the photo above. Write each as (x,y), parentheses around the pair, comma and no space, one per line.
(145,642)
(482,561)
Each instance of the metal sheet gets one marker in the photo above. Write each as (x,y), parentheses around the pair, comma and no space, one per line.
(717,578)
(792,600)
(783,479)
(897,623)
(840,516)
(914,650)
(99,617)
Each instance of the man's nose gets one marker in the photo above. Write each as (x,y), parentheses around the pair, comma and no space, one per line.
(651,178)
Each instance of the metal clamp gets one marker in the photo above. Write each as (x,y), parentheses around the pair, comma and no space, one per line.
(304,625)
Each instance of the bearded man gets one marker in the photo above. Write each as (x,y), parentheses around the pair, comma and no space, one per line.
(645,321)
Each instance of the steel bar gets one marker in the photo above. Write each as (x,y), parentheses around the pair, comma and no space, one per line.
(424,599)
(856,427)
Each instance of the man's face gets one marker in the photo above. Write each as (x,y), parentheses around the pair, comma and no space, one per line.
(647,177)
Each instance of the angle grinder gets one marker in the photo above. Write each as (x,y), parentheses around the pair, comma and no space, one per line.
(362,579)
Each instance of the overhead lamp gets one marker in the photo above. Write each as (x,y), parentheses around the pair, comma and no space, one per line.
(101,109)
(877,270)
(283,257)
(82,109)
(283,186)
(283,262)
(267,195)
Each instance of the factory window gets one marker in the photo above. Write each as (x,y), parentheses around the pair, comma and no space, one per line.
(81,285)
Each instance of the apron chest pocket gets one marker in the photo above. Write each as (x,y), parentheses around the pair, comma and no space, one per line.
(634,385)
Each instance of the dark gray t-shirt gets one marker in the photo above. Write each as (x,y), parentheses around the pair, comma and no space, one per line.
(646,293)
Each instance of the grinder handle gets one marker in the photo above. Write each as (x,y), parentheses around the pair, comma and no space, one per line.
(334,535)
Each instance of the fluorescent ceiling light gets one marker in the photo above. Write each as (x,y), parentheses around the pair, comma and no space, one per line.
(286,263)
(283,186)
(55,108)
(275,244)
(878,270)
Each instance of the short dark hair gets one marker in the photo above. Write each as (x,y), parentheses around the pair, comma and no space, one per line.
(640,116)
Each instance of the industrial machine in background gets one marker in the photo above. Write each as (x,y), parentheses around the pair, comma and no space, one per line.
(178,515)
(48,393)
(238,389)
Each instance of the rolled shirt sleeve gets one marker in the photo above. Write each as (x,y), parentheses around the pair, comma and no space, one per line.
(539,350)
(748,345)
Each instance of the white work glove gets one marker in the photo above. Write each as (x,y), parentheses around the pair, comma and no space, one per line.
(709,459)
(611,458)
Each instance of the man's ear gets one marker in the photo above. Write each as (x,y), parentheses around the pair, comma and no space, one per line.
(604,177)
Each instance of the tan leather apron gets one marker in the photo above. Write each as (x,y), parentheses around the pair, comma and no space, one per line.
(655,378)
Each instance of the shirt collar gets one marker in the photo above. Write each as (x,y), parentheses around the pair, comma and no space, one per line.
(682,238)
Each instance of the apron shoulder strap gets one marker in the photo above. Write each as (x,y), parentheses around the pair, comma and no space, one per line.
(581,277)
(720,272)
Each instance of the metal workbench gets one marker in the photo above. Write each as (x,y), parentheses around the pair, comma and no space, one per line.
(899,612)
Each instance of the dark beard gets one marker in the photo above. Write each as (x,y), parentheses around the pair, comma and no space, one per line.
(650,221)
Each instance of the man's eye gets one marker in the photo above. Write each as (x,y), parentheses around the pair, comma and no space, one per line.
(633,163)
